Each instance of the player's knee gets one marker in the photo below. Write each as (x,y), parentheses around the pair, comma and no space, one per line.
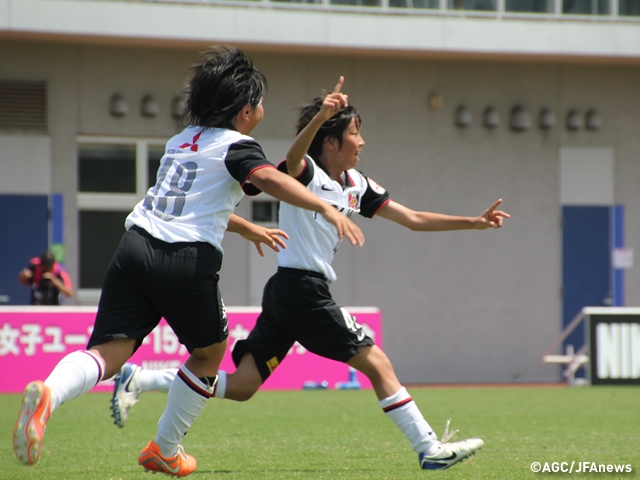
(242,395)
(241,388)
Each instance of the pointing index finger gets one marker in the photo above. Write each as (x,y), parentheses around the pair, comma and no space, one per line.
(338,86)
(495,205)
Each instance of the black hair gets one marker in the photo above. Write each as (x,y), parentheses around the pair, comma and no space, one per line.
(47,259)
(224,80)
(332,128)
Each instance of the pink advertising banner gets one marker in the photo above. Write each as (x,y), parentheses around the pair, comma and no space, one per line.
(34,339)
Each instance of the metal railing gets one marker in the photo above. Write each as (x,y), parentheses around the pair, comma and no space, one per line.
(576,10)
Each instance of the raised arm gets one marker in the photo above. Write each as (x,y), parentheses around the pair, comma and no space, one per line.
(332,103)
(439,222)
(271,237)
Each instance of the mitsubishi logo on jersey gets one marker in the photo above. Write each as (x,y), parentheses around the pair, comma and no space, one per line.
(192,146)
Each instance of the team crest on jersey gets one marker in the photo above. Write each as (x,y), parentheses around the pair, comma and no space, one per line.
(353,201)
(375,187)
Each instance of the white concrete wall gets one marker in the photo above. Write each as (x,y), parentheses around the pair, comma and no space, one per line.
(26,164)
(457,306)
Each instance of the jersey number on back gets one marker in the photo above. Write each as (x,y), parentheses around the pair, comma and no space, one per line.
(177,191)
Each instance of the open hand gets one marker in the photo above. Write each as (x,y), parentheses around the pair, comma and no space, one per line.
(346,228)
(271,237)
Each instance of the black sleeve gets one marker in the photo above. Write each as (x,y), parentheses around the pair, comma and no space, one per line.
(305,176)
(373,199)
(243,158)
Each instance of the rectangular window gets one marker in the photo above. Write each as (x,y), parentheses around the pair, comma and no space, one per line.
(109,168)
(357,3)
(114,175)
(100,234)
(629,7)
(265,212)
(154,155)
(529,6)
(414,3)
(317,2)
(585,7)
(478,5)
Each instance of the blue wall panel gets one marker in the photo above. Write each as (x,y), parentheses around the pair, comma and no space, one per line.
(586,272)
(24,234)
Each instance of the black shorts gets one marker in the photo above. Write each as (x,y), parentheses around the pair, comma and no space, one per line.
(297,306)
(149,279)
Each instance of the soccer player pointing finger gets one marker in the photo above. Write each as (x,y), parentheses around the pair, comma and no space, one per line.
(168,260)
(297,304)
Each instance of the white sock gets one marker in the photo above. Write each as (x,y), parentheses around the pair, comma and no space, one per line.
(403,411)
(74,375)
(156,379)
(221,386)
(187,397)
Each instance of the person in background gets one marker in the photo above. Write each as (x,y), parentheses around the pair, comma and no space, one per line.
(48,280)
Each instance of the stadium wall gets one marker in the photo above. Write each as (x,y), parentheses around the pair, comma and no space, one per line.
(458,307)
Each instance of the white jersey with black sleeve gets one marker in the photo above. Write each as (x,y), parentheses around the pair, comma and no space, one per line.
(313,241)
(203,175)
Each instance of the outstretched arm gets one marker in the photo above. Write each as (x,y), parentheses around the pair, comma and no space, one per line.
(271,237)
(331,105)
(439,222)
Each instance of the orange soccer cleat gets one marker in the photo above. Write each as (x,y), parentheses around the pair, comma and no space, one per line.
(180,465)
(32,421)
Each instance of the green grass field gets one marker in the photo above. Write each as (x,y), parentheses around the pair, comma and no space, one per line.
(344,434)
